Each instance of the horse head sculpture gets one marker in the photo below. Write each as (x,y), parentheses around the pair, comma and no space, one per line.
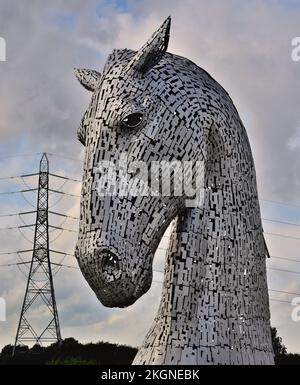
(152,108)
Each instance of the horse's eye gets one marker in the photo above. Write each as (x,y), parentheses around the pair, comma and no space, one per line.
(132,120)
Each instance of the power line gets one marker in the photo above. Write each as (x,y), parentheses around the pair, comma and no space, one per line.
(274,234)
(282,236)
(24,223)
(35,189)
(267,233)
(29,175)
(28,262)
(64,177)
(61,252)
(64,193)
(268,268)
(68,216)
(62,228)
(19,268)
(18,192)
(24,226)
(18,214)
(285,292)
(282,222)
(30,250)
(281,258)
(60,225)
(277,291)
(16,252)
(279,300)
(156,281)
(62,215)
(75,180)
(35,174)
(15,227)
(15,264)
(25,183)
(286,259)
(20,155)
(61,186)
(156,270)
(283,270)
(18,176)
(63,265)
(34,211)
(64,157)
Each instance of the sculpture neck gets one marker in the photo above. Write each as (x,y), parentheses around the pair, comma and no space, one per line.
(215,294)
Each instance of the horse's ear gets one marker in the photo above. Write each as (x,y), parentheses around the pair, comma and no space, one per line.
(152,52)
(89,79)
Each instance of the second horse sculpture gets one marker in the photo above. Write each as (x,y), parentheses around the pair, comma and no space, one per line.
(154,106)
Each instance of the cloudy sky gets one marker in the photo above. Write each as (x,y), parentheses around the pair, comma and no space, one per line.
(245,45)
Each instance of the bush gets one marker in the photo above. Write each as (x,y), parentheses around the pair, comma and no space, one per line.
(69,352)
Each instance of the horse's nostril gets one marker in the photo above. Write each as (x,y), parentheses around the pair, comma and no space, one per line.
(109,262)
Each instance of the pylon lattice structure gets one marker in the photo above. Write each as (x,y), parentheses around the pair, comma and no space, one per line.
(40,289)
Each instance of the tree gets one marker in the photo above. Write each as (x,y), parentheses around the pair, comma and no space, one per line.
(37,349)
(278,346)
(8,349)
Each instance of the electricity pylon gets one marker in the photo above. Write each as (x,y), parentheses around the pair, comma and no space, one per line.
(39,290)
